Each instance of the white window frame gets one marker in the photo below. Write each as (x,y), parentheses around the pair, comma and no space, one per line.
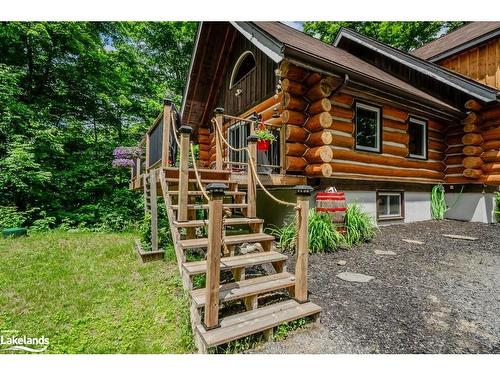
(237,67)
(388,215)
(423,124)
(377,111)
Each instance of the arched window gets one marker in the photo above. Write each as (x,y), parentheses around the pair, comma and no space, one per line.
(244,65)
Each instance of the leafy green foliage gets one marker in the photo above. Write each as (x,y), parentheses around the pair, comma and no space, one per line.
(164,235)
(265,135)
(11,218)
(402,34)
(322,235)
(70,92)
(359,224)
(283,330)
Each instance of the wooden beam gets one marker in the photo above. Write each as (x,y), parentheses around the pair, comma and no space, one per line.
(211,319)
(167,123)
(154,210)
(302,246)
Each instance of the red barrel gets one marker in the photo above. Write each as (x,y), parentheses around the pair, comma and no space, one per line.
(334,204)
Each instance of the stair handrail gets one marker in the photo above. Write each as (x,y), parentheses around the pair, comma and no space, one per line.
(253,169)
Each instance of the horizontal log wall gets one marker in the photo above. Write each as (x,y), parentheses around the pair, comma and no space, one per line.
(481,144)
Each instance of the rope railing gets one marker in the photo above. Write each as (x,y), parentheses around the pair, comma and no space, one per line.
(251,163)
(198,179)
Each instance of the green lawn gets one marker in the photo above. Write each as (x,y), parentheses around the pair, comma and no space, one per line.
(89,293)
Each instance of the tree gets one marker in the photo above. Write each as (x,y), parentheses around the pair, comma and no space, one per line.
(70,92)
(403,35)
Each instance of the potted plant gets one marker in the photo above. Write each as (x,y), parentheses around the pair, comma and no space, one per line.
(265,137)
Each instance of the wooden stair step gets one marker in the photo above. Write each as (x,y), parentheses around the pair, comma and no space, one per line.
(250,322)
(246,288)
(196,243)
(238,261)
(204,181)
(205,206)
(229,221)
(199,193)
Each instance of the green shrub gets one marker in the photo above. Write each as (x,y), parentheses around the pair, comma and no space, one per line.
(164,235)
(322,234)
(360,226)
(10,217)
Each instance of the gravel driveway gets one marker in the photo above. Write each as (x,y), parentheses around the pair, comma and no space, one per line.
(442,296)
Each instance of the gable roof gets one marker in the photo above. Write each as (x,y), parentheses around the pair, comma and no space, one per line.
(279,41)
(457,41)
(304,48)
(428,69)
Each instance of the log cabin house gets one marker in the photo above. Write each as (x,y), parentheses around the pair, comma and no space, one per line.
(382,125)
(378,123)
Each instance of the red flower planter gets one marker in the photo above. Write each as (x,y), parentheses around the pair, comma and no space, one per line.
(263,145)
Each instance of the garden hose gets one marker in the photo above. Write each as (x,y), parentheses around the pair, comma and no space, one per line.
(438,203)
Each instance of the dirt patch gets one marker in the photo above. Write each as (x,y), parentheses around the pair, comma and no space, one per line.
(437,297)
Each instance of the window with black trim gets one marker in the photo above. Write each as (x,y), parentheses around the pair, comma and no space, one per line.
(390,205)
(368,127)
(417,130)
(244,65)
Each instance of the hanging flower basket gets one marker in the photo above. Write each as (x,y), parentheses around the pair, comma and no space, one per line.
(263,145)
(265,137)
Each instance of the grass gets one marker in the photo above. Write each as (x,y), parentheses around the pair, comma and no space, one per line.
(89,293)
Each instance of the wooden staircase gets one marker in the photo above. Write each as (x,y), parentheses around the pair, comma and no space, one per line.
(247,288)
(247,304)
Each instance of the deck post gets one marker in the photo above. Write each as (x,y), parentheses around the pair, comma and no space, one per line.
(165,142)
(251,179)
(153,210)
(185,134)
(216,193)
(219,154)
(302,247)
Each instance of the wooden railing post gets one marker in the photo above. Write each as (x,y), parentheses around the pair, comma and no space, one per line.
(165,142)
(154,210)
(185,134)
(216,193)
(302,247)
(251,182)
(219,152)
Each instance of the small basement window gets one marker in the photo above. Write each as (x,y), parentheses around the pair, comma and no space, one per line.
(244,65)
(390,205)
(417,130)
(367,127)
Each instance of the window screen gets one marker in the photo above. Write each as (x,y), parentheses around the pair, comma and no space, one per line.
(389,205)
(367,127)
(418,141)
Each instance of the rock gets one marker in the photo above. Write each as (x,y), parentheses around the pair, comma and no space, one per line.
(459,237)
(384,252)
(413,241)
(354,277)
(341,262)
(247,248)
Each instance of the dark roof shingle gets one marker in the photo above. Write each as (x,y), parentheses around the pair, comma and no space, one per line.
(465,34)
(337,56)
